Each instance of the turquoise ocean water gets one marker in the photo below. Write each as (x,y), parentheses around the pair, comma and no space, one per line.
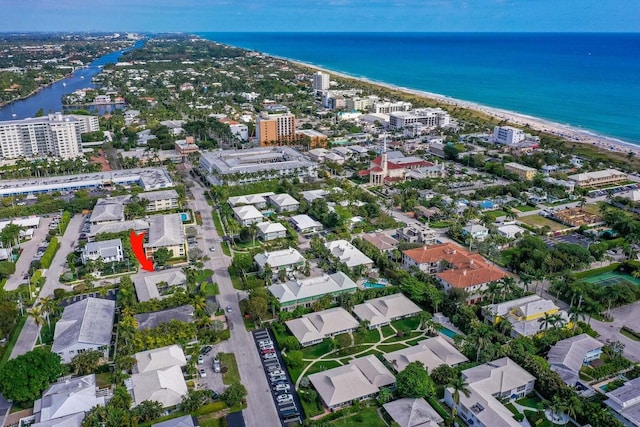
(590,81)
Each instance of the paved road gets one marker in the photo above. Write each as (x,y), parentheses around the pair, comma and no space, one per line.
(610,331)
(29,249)
(261,410)
(29,334)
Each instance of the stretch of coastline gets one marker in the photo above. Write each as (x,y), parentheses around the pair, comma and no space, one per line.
(567,132)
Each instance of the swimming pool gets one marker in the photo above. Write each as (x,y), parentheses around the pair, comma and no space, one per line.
(373,285)
(447,332)
(184,216)
(268,213)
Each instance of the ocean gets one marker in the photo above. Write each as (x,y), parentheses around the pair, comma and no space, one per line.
(590,81)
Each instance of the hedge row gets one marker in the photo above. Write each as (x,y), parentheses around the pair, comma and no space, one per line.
(47,257)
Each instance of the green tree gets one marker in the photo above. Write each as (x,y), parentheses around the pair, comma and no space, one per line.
(443,374)
(294,359)
(162,255)
(87,362)
(458,385)
(414,381)
(8,316)
(234,394)
(7,268)
(148,410)
(343,341)
(24,378)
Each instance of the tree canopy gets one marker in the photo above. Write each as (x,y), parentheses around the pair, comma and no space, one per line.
(24,378)
(414,381)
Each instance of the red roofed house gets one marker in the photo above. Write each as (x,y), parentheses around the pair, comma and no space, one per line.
(383,169)
(454,267)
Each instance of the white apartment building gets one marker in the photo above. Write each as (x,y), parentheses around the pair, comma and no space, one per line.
(240,130)
(508,135)
(54,135)
(321,81)
(429,117)
(379,107)
(362,104)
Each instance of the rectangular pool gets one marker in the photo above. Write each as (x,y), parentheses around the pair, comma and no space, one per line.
(447,332)
(184,216)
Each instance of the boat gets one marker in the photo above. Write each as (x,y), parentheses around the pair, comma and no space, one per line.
(82,77)
(64,84)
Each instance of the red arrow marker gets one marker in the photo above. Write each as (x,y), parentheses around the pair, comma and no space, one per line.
(138,250)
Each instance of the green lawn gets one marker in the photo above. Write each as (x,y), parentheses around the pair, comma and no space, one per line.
(315,351)
(210,289)
(531,401)
(366,417)
(104,379)
(525,208)
(232,375)
(370,336)
(495,214)
(311,409)
(406,336)
(388,348)
(217,223)
(407,325)
(12,340)
(387,331)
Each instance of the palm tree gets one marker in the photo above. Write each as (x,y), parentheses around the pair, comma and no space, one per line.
(492,290)
(548,321)
(48,307)
(459,386)
(36,313)
(576,314)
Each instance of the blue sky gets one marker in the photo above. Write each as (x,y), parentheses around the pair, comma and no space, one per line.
(327,15)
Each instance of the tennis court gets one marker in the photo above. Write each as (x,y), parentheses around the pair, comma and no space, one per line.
(613,278)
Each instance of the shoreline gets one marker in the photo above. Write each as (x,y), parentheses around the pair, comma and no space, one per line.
(569,133)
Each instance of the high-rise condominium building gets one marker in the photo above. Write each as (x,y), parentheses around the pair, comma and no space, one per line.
(52,135)
(320,81)
(276,128)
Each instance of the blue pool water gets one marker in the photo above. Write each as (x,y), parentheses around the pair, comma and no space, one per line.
(372,285)
(447,332)
(184,216)
(268,213)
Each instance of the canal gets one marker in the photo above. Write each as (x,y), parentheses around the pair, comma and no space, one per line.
(50,98)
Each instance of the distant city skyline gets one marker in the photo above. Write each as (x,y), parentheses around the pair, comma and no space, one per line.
(318,16)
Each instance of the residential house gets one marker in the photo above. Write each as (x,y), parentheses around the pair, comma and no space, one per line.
(314,327)
(247,215)
(284,203)
(160,200)
(511,231)
(305,224)
(166,231)
(257,200)
(157,376)
(476,232)
(349,254)
(417,233)
(158,285)
(106,250)
(285,259)
(360,379)
(384,310)
(568,356)
(312,195)
(431,352)
(412,412)
(489,384)
(66,402)
(524,314)
(183,313)
(184,421)
(110,209)
(271,230)
(382,242)
(625,401)
(454,267)
(84,326)
(304,292)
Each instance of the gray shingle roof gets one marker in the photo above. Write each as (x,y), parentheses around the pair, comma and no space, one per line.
(154,196)
(567,356)
(88,321)
(410,412)
(165,230)
(184,313)
(147,284)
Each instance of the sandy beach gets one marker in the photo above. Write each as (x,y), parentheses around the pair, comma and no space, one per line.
(570,133)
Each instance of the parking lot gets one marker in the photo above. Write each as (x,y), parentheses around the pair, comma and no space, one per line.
(282,388)
(574,238)
(212,380)
(29,250)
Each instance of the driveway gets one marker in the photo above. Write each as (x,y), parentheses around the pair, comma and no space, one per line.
(213,380)
(610,331)
(29,334)
(260,409)
(29,249)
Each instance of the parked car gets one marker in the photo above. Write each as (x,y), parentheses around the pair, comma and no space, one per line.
(267,351)
(202,372)
(269,356)
(206,349)
(201,359)
(216,366)
(282,387)
(276,373)
(229,309)
(284,398)
(278,379)
(274,367)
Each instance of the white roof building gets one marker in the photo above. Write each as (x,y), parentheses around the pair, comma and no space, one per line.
(314,327)
(157,376)
(432,352)
(626,401)
(284,202)
(271,230)
(247,214)
(306,291)
(567,356)
(106,250)
(110,209)
(65,403)
(487,383)
(259,200)
(311,195)
(382,311)
(361,379)
(146,284)
(511,231)
(304,223)
(411,412)
(285,258)
(84,326)
(348,254)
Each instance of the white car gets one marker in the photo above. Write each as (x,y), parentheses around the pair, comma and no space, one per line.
(269,356)
(282,387)
(201,359)
(284,398)
(202,372)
